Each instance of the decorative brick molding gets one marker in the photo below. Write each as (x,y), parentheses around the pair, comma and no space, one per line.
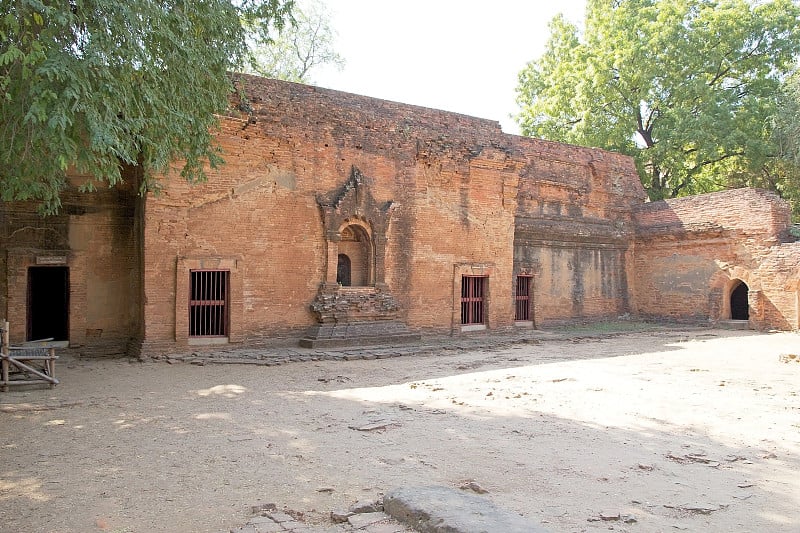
(359,314)
(352,204)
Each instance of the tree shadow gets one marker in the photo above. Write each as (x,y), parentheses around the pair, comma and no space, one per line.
(563,432)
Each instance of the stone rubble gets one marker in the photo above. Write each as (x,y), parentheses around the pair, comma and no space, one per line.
(430,509)
(364,520)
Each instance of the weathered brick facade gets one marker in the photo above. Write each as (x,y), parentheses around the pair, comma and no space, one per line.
(691,253)
(95,243)
(338,215)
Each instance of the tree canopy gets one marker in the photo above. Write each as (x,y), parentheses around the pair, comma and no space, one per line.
(86,85)
(690,88)
(297,48)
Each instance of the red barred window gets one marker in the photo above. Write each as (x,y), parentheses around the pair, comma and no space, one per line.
(208,303)
(523,298)
(473,299)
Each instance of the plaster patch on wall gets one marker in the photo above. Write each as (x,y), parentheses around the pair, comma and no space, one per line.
(684,274)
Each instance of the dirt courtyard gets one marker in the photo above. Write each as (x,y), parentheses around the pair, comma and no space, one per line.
(679,430)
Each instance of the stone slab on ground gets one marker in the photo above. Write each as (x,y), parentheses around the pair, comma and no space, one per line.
(280,522)
(433,509)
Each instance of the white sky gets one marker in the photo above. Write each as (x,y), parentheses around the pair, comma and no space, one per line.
(461,56)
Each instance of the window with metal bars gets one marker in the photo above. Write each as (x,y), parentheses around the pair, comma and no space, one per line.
(473,297)
(523,299)
(208,303)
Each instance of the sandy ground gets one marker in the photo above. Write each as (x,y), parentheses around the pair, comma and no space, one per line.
(682,431)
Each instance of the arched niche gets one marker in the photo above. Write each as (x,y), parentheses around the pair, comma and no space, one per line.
(356,226)
(364,311)
(356,256)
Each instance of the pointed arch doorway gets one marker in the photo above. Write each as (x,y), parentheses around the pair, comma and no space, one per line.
(739,301)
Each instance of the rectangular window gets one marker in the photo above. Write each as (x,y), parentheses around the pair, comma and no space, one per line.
(523,299)
(473,297)
(208,303)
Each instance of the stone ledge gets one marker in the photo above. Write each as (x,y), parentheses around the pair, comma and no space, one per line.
(741,325)
(344,342)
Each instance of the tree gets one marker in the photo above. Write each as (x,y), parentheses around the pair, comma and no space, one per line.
(687,87)
(787,120)
(786,132)
(88,85)
(299,47)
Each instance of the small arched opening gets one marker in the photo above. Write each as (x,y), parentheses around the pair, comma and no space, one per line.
(355,255)
(740,307)
(344,271)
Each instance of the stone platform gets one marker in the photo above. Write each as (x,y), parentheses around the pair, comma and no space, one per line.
(370,333)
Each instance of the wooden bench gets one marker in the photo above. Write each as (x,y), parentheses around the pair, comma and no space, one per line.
(31,363)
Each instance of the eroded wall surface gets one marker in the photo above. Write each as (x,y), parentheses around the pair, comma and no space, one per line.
(465,200)
(574,231)
(419,199)
(94,239)
(692,252)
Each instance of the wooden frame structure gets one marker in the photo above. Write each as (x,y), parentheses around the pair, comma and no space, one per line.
(26,365)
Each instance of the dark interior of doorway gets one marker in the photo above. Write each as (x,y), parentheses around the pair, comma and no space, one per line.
(48,303)
(740,309)
(343,271)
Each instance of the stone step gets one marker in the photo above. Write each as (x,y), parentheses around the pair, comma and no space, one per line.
(741,325)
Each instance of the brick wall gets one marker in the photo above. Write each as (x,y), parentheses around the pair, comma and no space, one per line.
(460,190)
(574,231)
(750,213)
(691,252)
(448,196)
(95,237)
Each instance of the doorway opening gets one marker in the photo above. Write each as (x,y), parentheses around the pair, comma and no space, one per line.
(355,267)
(343,271)
(740,308)
(48,303)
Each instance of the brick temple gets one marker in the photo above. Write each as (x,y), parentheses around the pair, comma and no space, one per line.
(340,219)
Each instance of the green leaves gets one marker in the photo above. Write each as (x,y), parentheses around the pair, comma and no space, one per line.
(89,85)
(688,87)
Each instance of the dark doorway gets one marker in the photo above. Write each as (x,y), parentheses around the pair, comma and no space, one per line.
(48,303)
(740,309)
(343,271)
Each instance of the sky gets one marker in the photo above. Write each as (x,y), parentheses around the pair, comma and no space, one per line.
(457,55)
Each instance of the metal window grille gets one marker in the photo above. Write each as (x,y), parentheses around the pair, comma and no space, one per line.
(523,298)
(208,303)
(473,291)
